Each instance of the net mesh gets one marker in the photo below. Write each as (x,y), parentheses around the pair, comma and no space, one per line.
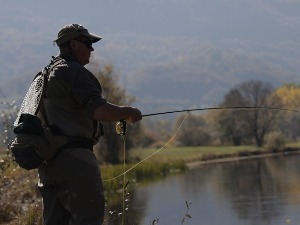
(32,98)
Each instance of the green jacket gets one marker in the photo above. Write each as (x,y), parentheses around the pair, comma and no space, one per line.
(72,95)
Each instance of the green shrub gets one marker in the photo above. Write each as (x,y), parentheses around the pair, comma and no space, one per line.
(274,141)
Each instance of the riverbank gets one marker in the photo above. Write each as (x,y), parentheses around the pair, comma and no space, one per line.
(200,155)
(20,201)
(258,154)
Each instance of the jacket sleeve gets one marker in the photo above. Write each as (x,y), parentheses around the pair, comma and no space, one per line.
(87,91)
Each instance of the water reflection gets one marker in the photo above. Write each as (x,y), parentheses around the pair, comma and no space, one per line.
(260,191)
(135,202)
(253,191)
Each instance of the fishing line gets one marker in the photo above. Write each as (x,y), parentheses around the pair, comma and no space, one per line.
(121,130)
(123,123)
(154,153)
(124,177)
(122,133)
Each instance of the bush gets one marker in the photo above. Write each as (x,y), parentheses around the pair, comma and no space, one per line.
(5,162)
(274,141)
(193,137)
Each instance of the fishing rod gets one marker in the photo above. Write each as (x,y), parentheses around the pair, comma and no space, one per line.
(121,126)
(222,108)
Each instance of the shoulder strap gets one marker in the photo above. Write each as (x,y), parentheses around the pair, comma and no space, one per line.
(45,73)
(41,105)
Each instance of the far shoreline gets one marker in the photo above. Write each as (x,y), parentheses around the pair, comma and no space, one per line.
(234,157)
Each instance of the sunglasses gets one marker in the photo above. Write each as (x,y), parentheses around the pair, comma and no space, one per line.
(88,44)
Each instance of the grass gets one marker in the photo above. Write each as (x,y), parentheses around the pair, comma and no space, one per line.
(199,153)
(20,202)
(293,144)
(113,176)
(188,154)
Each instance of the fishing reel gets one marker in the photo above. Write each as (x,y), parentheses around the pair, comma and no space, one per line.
(121,127)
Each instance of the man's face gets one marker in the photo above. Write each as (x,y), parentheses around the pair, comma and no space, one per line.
(82,51)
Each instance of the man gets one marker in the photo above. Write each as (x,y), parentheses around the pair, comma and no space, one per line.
(70,183)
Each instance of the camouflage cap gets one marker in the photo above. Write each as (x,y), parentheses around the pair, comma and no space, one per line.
(72,31)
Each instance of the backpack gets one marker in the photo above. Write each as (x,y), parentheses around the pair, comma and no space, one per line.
(34,143)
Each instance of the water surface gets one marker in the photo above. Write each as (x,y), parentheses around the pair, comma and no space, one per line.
(250,192)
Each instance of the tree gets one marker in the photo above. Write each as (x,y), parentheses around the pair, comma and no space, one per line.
(192,132)
(289,95)
(233,130)
(111,148)
(255,123)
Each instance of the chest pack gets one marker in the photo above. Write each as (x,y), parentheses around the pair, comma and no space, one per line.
(34,143)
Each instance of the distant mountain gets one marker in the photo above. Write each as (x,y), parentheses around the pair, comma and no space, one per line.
(171,54)
(201,78)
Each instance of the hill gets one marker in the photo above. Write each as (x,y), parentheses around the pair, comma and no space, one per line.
(170,54)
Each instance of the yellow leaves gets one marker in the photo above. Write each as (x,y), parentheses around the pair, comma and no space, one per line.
(289,95)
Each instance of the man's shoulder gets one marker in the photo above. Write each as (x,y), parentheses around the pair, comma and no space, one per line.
(71,70)
(68,62)
(71,65)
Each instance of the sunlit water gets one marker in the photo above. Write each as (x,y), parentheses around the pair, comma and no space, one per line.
(250,192)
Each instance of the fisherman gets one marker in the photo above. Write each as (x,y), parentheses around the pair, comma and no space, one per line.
(70,183)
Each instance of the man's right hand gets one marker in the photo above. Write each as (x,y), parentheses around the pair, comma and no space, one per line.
(109,113)
(135,115)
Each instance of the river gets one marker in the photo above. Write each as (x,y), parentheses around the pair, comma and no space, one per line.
(264,191)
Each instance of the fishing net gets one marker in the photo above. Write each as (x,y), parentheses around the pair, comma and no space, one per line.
(32,99)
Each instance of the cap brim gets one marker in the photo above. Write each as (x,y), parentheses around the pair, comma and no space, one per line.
(93,37)
(67,37)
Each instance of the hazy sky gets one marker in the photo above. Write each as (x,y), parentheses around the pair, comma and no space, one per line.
(256,20)
(138,35)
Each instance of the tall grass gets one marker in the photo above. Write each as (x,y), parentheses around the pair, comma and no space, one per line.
(113,174)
